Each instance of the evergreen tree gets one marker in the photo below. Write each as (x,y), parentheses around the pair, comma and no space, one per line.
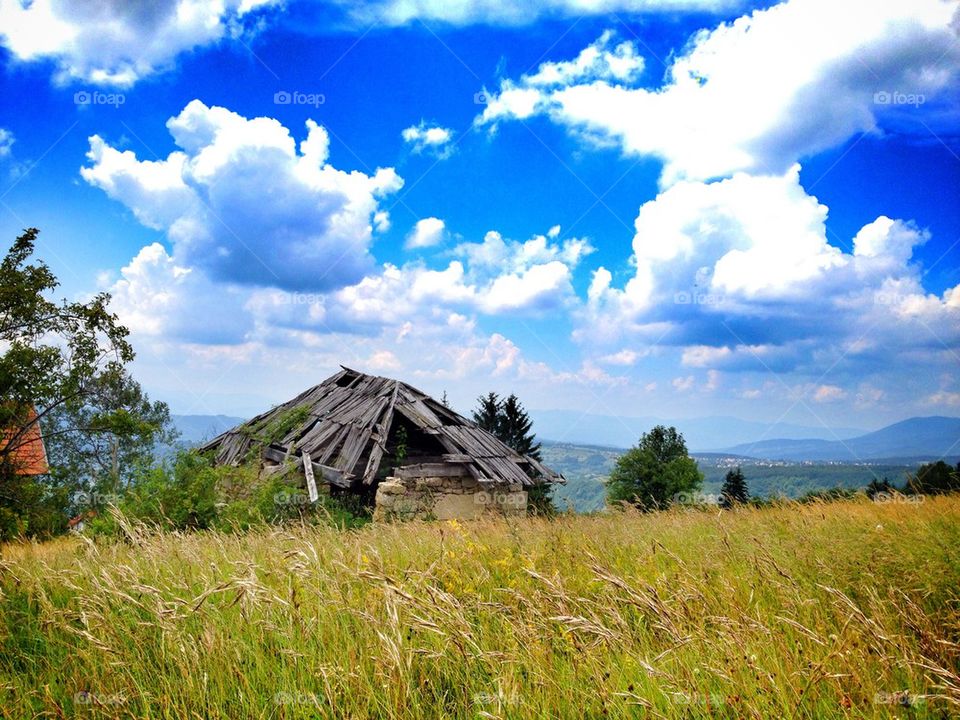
(652,474)
(509,422)
(879,487)
(734,490)
(515,428)
(934,479)
(487,415)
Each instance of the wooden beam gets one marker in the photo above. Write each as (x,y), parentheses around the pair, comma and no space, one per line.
(432,470)
(456,458)
(271,453)
(333,476)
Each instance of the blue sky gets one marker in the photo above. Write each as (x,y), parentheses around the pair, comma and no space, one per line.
(691,208)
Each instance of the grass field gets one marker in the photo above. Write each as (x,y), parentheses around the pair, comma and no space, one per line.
(847,609)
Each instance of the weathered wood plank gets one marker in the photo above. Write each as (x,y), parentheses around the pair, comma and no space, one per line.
(432,470)
(383,427)
(311,481)
(333,475)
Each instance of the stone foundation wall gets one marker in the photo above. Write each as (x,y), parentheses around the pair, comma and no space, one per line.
(446,498)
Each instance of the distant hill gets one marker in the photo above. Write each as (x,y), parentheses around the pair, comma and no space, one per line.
(586,467)
(701,434)
(195,429)
(794,466)
(919,438)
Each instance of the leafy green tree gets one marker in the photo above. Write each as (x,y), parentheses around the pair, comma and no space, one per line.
(55,356)
(181,494)
(934,479)
(102,438)
(652,474)
(734,490)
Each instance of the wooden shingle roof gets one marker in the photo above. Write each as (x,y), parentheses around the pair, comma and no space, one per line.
(344,422)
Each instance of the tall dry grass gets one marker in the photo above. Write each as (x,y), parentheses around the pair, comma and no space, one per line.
(847,609)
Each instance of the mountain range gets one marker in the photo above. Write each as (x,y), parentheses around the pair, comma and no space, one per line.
(918,438)
(702,434)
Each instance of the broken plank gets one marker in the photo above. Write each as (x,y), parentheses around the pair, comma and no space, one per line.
(311,481)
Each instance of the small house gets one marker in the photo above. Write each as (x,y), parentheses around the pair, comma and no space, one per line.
(377,437)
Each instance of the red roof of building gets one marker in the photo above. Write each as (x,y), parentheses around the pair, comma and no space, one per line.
(29,456)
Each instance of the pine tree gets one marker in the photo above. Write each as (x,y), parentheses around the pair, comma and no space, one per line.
(487,415)
(509,422)
(515,428)
(879,488)
(734,490)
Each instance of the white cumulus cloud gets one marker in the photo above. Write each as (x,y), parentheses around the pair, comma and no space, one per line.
(118,42)
(240,200)
(756,94)
(427,232)
(159,299)
(433,139)
(465,12)
(740,275)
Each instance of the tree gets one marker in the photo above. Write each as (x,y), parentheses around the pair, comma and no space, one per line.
(934,479)
(101,439)
(487,415)
(652,474)
(56,356)
(180,494)
(879,488)
(515,428)
(734,490)
(510,423)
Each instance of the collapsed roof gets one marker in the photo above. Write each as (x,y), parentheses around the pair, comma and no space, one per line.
(349,423)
